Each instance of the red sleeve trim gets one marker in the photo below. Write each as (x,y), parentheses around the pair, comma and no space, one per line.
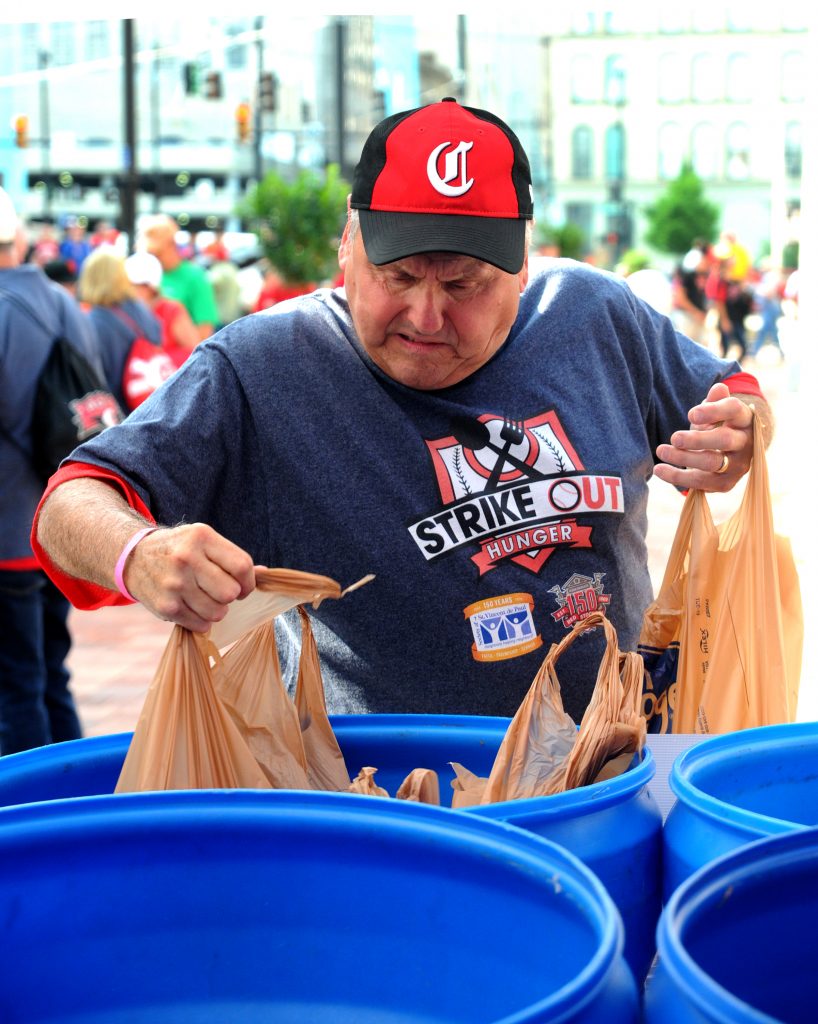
(20,564)
(744,384)
(81,593)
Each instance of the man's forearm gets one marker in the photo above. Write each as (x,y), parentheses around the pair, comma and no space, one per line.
(83,526)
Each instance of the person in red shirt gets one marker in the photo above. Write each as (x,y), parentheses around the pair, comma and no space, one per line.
(179,333)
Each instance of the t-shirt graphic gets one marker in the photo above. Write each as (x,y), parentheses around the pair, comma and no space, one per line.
(515,489)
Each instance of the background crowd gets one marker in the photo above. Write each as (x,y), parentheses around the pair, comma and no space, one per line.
(720,297)
(195,283)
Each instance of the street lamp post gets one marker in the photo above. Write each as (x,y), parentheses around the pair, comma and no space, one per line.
(43,59)
(618,226)
(127,193)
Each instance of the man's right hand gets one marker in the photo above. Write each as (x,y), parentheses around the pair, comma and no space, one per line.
(189,575)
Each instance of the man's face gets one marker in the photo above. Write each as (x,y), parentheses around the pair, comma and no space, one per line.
(161,243)
(429,321)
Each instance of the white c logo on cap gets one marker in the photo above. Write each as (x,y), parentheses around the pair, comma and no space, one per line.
(455,164)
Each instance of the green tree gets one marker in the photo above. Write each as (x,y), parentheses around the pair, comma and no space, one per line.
(298,223)
(567,238)
(681,215)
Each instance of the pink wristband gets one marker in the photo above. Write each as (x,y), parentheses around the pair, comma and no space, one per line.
(123,558)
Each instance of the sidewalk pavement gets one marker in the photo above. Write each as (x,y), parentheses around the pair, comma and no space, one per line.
(117,650)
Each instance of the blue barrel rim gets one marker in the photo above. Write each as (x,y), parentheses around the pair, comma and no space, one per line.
(584,800)
(712,750)
(587,799)
(704,888)
(533,855)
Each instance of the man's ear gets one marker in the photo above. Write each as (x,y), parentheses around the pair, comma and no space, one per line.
(523,274)
(345,248)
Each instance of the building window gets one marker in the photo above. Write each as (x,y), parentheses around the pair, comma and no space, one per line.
(582,153)
(739,17)
(706,146)
(615,153)
(583,22)
(792,149)
(793,74)
(707,16)
(585,84)
(235,52)
(737,155)
(29,46)
(739,78)
(673,86)
(673,20)
(706,85)
(615,81)
(97,40)
(671,151)
(63,42)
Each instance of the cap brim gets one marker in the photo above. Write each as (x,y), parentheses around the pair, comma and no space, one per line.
(395,236)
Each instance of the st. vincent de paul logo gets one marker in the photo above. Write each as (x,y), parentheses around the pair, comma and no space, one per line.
(512,489)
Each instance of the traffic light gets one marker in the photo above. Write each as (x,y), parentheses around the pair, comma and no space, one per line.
(268,91)
(243,115)
(21,131)
(191,77)
(213,85)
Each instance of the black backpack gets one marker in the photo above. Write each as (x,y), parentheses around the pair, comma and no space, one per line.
(71,405)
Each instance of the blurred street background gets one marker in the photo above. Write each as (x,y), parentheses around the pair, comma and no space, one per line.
(674,144)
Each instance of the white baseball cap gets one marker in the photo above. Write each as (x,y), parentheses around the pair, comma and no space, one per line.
(144,268)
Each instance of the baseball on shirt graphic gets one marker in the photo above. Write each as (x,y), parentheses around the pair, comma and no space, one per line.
(512,489)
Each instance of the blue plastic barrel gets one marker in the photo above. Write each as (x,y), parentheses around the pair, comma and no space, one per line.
(614,827)
(736,788)
(291,907)
(737,940)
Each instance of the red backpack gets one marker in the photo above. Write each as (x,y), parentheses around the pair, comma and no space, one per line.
(146,367)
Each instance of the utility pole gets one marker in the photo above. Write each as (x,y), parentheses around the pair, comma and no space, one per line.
(129,178)
(257,115)
(462,65)
(45,126)
(340,105)
(156,127)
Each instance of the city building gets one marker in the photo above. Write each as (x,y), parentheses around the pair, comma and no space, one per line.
(635,91)
(609,99)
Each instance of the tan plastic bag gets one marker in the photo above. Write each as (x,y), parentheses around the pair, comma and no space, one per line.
(542,752)
(364,783)
(217,714)
(722,642)
(421,786)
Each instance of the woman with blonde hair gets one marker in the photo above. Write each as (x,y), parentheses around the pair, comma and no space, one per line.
(130,336)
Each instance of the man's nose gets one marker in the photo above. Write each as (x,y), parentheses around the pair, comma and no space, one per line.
(426,308)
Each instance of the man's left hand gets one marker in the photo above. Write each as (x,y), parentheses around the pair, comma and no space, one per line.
(716,452)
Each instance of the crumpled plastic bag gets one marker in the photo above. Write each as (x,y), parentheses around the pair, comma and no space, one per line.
(542,752)
(217,714)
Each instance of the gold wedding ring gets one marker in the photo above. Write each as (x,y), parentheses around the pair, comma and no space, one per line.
(725,462)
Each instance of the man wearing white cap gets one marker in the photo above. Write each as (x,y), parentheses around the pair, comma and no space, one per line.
(36,706)
(481,443)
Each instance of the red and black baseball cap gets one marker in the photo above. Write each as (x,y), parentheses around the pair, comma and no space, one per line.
(444,178)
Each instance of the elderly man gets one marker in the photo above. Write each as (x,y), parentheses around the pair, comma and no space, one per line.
(182,280)
(479,442)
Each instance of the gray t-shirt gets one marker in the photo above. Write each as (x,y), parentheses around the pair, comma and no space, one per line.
(283,435)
